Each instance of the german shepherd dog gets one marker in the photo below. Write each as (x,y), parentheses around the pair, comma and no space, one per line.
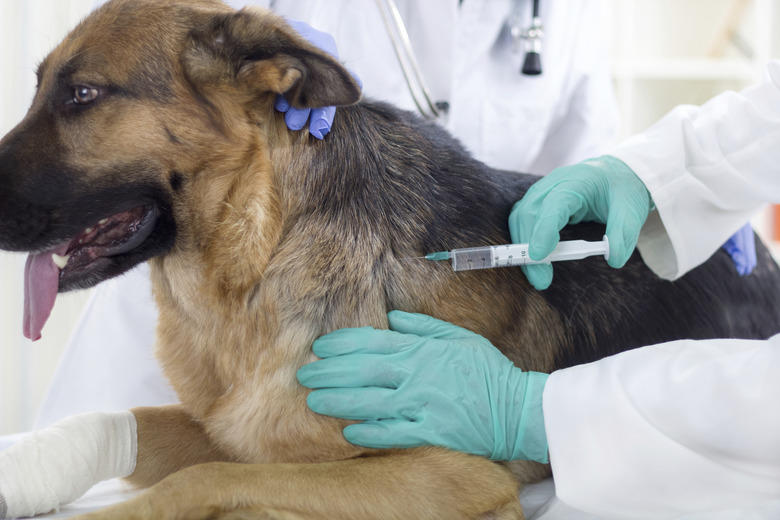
(153,137)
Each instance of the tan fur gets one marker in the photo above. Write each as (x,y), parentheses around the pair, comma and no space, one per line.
(396,485)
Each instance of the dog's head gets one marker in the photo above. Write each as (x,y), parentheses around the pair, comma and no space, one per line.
(138,109)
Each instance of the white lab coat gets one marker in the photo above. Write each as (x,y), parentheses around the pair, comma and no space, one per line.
(688,425)
(709,170)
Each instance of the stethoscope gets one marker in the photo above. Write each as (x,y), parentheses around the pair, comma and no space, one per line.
(402,46)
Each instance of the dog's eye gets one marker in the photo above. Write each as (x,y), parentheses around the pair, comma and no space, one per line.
(84,95)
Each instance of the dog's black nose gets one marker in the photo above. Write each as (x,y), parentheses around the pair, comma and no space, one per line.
(23,221)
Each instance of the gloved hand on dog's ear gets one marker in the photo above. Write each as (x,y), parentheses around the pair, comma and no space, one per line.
(601,190)
(427,382)
(320,119)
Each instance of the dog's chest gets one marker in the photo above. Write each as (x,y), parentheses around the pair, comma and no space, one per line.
(238,379)
(261,416)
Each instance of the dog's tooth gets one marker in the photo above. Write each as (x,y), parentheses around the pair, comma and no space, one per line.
(89,230)
(60,261)
(103,221)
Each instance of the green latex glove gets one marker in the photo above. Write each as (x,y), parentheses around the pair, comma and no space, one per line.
(427,382)
(600,190)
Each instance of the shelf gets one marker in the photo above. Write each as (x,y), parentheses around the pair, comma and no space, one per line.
(685,69)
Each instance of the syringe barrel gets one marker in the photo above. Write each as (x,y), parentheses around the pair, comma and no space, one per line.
(486,257)
(470,258)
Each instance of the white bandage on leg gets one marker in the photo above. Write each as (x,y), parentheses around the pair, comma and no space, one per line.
(58,464)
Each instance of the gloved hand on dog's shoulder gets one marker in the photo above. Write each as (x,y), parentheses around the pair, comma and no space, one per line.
(320,119)
(427,382)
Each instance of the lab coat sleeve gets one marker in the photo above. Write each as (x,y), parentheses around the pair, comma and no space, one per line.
(656,432)
(709,169)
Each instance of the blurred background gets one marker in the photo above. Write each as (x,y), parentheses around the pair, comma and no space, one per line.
(664,53)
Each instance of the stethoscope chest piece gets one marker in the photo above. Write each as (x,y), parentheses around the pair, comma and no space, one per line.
(531,38)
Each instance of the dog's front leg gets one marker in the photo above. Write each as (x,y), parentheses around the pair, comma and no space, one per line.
(169,439)
(56,465)
(418,483)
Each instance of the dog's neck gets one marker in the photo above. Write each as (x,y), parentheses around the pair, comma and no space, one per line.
(240,308)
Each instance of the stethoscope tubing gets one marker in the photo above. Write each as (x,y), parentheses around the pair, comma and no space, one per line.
(402,46)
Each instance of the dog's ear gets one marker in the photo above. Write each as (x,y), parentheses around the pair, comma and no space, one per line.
(255,49)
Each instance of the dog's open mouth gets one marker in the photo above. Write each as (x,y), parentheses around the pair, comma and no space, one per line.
(112,236)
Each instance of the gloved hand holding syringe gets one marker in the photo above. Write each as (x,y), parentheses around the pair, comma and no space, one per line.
(487,257)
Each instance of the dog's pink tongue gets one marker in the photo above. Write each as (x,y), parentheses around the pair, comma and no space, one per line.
(41,281)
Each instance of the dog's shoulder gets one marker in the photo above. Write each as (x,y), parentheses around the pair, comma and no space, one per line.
(400,168)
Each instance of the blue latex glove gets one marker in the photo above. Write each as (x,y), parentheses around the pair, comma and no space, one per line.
(427,382)
(320,119)
(600,190)
(742,248)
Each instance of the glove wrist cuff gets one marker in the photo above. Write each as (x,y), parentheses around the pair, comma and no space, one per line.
(526,435)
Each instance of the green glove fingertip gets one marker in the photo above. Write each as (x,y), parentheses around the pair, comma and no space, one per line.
(370,434)
(539,275)
(426,326)
(305,374)
(314,403)
(343,341)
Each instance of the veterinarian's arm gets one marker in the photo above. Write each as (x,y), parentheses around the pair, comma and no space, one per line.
(670,429)
(709,169)
(427,382)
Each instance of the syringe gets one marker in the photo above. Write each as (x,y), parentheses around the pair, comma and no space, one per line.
(487,257)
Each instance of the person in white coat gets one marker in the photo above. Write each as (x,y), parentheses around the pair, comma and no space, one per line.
(509,120)
(662,431)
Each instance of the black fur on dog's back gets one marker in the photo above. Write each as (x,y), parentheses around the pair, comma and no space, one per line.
(413,189)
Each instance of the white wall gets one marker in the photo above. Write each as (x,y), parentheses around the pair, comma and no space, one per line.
(668,52)
(671,52)
(660,60)
(29,29)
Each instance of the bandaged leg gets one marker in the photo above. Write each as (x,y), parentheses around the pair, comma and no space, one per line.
(58,464)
